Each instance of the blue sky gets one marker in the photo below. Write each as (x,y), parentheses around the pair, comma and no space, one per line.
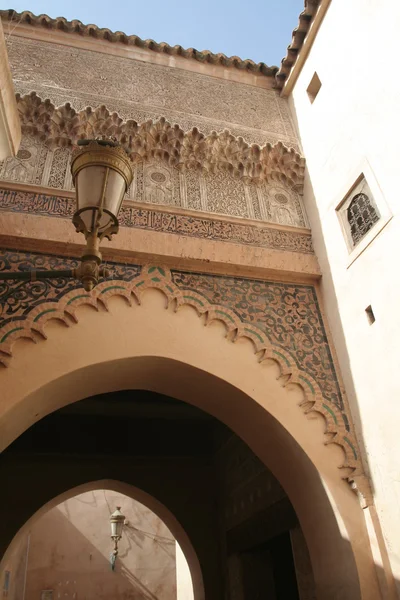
(256,29)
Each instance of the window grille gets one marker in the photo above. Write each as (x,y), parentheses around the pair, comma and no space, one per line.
(362,216)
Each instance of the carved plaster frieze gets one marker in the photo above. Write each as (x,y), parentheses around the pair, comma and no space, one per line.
(142,91)
(156,182)
(188,225)
(161,140)
(279,328)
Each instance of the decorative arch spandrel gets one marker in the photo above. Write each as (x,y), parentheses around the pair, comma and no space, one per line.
(283,322)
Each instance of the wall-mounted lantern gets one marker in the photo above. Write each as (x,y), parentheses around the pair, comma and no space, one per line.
(102,173)
(117,520)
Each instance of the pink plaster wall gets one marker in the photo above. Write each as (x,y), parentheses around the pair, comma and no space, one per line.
(70,548)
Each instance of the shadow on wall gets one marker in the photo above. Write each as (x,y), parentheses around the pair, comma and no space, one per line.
(70,547)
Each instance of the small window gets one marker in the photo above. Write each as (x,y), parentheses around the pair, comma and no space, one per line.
(361,215)
(47,595)
(358,213)
(314,87)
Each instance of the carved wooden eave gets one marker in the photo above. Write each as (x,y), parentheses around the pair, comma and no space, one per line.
(77,27)
(64,126)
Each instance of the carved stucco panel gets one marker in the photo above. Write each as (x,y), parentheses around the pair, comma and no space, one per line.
(156,182)
(193,194)
(29,164)
(226,194)
(59,168)
(148,91)
(280,204)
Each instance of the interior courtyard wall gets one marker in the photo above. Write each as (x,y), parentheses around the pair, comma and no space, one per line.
(351,128)
(131,89)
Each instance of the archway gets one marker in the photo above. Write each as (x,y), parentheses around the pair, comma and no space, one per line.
(148,347)
(237,516)
(142,501)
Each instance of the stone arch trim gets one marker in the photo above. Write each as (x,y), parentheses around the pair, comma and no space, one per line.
(339,429)
(63,126)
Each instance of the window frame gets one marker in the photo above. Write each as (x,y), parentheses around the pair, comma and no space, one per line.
(365,179)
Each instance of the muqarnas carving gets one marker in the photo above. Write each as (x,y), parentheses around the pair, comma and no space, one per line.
(157,182)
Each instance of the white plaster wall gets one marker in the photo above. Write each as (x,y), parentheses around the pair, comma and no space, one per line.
(184,586)
(354,125)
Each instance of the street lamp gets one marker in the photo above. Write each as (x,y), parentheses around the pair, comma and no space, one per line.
(102,173)
(117,520)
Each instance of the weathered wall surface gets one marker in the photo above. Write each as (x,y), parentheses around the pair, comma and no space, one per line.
(70,550)
(351,129)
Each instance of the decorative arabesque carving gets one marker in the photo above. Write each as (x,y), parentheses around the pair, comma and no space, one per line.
(60,166)
(282,205)
(63,126)
(148,91)
(155,182)
(217,173)
(225,299)
(225,194)
(158,183)
(29,163)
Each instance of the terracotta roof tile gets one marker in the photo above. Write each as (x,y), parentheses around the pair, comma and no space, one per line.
(204,56)
(298,36)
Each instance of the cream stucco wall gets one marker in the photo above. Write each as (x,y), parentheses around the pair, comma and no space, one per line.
(352,127)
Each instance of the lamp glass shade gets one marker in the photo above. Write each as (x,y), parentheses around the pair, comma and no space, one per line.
(91,183)
(101,172)
(117,520)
